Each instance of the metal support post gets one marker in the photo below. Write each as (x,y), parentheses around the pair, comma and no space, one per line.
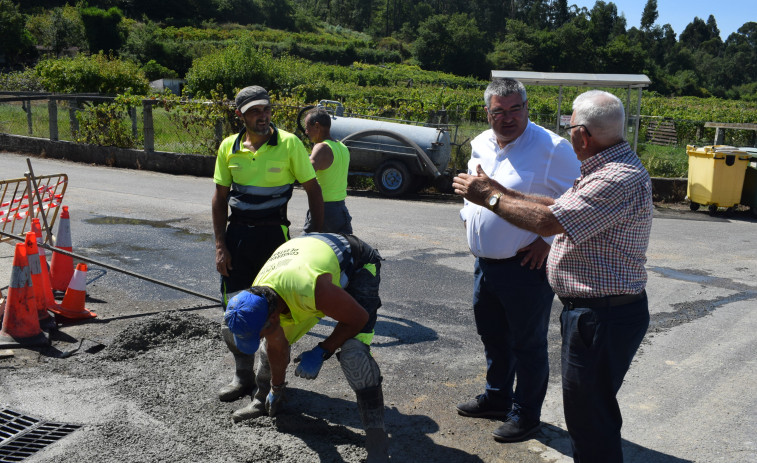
(72,110)
(559,111)
(133,117)
(27,105)
(52,111)
(149,130)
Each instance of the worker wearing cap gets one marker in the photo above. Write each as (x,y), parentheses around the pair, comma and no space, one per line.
(331,161)
(307,278)
(255,174)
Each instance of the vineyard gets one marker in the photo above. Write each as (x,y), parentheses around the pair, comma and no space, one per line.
(392,90)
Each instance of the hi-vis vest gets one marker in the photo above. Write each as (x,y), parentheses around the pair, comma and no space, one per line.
(261,182)
(333,179)
(292,270)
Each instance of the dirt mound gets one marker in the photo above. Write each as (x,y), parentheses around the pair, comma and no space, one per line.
(158,330)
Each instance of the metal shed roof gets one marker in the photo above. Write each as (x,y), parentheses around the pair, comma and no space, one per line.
(571,79)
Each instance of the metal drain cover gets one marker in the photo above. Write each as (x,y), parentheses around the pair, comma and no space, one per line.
(21,436)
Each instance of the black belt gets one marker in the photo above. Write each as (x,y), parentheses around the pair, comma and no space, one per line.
(602,302)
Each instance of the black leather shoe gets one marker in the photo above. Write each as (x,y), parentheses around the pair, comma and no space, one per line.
(481,407)
(516,428)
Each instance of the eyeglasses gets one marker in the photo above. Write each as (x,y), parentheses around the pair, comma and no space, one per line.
(571,127)
(499,113)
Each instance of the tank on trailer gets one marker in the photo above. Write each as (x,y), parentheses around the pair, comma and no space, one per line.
(400,157)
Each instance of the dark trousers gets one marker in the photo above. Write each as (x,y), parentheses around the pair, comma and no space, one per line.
(511,304)
(597,348)
(250,247)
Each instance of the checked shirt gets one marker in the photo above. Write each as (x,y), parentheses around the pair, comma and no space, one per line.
(607,217)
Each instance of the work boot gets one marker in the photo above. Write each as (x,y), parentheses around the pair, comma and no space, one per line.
(254,409)
(370,403)
(243,382)
(482,407)
(516,428)
(262,377)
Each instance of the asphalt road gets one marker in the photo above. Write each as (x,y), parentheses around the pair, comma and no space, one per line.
(690,394)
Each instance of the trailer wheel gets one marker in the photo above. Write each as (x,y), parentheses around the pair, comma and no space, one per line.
(392,178)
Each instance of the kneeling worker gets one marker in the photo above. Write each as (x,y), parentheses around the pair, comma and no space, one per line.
(307,278)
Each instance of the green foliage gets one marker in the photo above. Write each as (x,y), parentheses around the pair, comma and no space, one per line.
(665,161)
(58,29)
(155,71)
(16,40)
(21,81)
(199,119)
(108,124)
(232,69)
(102,28)
(452,44)
(97,73)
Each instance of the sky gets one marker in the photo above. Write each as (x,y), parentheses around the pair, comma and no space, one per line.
(729,14)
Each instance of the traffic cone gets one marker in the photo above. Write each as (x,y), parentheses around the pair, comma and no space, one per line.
(35,270)
(21,323)
(62,266)
(2,306)
(47,289)
(73,302)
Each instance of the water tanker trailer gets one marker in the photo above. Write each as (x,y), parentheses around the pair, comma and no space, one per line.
(400,157)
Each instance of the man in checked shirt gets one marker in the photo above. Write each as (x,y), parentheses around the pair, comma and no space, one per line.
(596,267)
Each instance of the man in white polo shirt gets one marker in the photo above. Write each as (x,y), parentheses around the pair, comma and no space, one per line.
(511,297)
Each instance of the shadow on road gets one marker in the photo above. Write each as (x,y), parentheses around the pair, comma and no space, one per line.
(322,423)
(559,440)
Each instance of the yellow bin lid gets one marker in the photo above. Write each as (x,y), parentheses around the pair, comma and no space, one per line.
(716,151)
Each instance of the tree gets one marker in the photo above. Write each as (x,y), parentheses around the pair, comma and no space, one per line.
(559,13)
(278,14)
(605,22)
(102,28)
(694,34)
(649,15)
(58,29)
(451,44)
(16,39)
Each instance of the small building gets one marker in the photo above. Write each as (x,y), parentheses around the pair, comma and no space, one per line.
(174,85)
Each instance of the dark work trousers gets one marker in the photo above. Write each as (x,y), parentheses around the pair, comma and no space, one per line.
(512,304)
(597,348)
(250,247)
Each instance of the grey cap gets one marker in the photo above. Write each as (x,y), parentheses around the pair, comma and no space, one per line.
(251,96)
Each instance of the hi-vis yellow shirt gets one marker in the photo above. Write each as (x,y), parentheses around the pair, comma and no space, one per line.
(291,272)
(333,179)
(280,161)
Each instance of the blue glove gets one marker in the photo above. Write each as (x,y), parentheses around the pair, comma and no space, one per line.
(274,401)
(311,362)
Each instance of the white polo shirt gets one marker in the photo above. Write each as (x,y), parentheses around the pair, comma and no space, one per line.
(538,162)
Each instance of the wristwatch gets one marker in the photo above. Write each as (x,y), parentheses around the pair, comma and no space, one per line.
(493,200)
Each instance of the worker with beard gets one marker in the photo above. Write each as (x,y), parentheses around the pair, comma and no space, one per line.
(254,175)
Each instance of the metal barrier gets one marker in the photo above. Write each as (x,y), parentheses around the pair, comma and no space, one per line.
(22,199)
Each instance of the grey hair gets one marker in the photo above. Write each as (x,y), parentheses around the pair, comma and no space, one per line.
(319,115)
(504,87)
(602,113)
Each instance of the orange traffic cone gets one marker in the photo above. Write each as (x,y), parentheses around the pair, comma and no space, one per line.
(47,289)
(73,302)
(62,266)
(32,257)
(2,306)
(20,323)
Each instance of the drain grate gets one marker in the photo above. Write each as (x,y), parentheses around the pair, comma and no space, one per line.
(21,436)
